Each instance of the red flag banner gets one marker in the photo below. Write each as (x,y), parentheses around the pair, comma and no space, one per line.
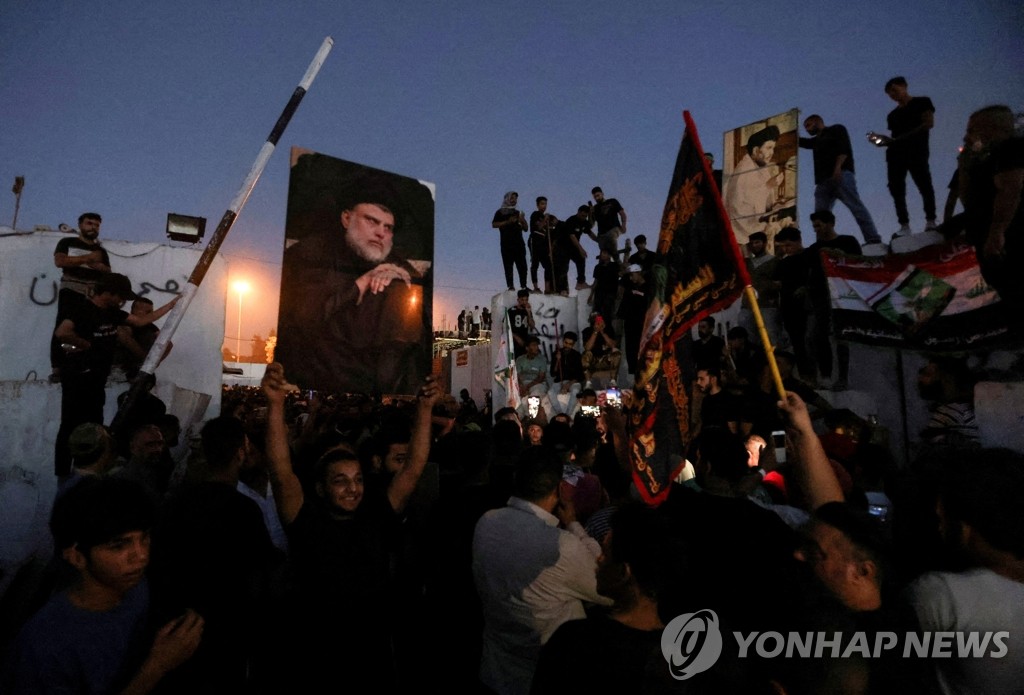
(697,273)
(933,299)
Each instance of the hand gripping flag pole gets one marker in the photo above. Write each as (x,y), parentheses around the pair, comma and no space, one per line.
(143,381)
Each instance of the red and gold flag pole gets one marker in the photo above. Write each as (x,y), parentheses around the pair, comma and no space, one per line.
(741,265)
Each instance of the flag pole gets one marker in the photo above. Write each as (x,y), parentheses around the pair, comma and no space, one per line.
(143,381)
(741,264)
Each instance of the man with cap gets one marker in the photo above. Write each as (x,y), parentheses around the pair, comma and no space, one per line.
(88,334)
(351,315)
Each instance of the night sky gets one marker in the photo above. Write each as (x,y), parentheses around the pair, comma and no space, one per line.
(140,109)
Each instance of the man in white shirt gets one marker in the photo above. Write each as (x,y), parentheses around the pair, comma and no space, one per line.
(531,575)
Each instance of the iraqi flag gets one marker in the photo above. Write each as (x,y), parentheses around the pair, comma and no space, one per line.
(934,299)
(698,272)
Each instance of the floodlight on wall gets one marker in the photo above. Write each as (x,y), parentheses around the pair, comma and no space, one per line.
(185,227)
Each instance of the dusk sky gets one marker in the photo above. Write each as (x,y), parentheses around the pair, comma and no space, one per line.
(139,109)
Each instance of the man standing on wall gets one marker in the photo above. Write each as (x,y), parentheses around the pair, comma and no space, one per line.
(833,173)
(909,123)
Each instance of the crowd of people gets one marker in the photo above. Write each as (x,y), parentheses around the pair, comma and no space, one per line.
(308,542)
(307,537)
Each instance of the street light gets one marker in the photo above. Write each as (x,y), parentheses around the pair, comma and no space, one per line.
(241,287)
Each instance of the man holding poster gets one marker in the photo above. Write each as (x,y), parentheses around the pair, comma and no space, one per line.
(353,315)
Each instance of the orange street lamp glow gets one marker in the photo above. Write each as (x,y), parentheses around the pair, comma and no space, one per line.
(241,287)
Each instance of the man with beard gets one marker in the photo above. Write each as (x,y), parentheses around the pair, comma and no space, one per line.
(82,261)
(752,189)
(351,309)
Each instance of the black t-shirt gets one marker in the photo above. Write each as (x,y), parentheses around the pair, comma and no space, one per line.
(601,655)
(541,223)
(708,354)
(510,229)
(634,301)
(645,261)
(519,319)
(566,365)
(99,327)
(606,214)
(75,247)
(791,273)
(606,278)
(903,119)
(828,145)
(573,226)
(211,552)
(719,410)
(1005,156)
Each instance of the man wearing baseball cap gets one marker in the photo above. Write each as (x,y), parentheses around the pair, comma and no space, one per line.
(88,334)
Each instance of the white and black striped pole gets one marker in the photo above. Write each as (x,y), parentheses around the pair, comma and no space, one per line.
(143,381)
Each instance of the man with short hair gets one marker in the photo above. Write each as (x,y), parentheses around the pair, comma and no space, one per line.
(761,266)
(567,371)
(351,307)
(147,464)
(982,524)
(92,637)
(82,261)
(213,552)
(88,333)
(610,219)
(718,408)
(532,371)
(824,223)
(542,227)
(520,318)
(907,152)
(605,293)
(753,185)
(568,248)
(340,536)
(833,173)
(709,348)
(791,281)
(643,257)
(144,336)
(531,575)
(992,176)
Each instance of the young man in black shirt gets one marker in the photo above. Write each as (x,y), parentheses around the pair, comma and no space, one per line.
(568,248)
(88,334)
(907,152)
(833,173)
(542,226)
(611,221)
(340,538)
(821,300)
(82,261)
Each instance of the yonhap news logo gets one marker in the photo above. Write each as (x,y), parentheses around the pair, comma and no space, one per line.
(691,643)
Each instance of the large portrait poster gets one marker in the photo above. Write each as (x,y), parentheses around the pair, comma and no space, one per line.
(356,283)
(759,176)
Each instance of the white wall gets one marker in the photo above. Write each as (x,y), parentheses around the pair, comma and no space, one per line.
(188,381)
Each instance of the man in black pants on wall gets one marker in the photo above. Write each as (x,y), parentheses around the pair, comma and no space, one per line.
(909,123)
